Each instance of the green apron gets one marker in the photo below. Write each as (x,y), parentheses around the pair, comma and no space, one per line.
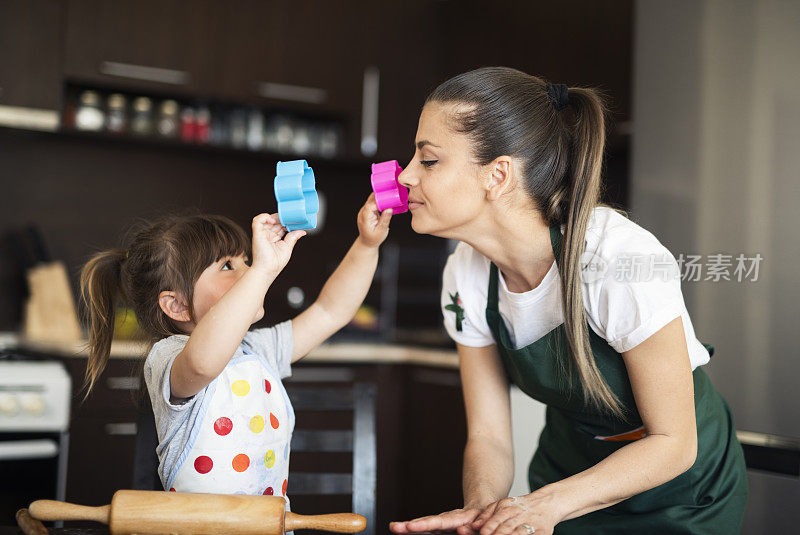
(710,497)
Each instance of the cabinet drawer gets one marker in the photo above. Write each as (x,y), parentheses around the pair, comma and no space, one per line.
(101,456)
(118,388)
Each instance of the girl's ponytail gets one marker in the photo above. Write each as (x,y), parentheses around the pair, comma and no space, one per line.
(584,176)
(101,289)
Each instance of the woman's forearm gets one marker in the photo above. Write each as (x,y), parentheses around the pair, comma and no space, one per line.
(633,469)
(488,472)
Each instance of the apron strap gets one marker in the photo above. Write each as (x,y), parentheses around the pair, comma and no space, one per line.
(555,241)
(491,301)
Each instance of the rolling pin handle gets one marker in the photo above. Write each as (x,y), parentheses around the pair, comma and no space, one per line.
(55,510)
(337,522)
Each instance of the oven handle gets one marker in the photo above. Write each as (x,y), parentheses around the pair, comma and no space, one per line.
(13,450)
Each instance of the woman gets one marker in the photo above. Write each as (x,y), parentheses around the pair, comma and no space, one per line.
(636,437)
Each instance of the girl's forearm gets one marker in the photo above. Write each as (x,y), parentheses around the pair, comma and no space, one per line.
(214,340)
(347,287)
(488,473)
(631,470)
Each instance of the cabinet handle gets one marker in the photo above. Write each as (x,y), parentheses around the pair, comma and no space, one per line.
(123,429)
(143,72)
(27,449)
(369,111)
(123,383)
(296,93)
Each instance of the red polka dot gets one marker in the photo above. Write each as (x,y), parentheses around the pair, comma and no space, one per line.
(223,426)
(241,462)
(269,491)
(285,482)
(273,420)
(203,464)
(267,386)
(172,489)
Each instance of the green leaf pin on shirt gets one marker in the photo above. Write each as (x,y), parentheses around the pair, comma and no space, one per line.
(456,307)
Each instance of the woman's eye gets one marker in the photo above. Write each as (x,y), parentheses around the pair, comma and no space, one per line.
(227,265)
(428,163)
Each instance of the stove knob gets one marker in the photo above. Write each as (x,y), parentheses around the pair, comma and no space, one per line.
(9,406)
(33,404)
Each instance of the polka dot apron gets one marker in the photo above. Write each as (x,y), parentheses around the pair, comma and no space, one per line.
(242,444)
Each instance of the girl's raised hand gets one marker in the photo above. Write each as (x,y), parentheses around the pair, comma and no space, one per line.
(272,245)
(373,225)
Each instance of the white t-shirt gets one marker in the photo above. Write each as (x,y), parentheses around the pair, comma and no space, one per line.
(631,289)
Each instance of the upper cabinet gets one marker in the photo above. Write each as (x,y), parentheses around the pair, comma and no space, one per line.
(258,51)
(299,53)
(307,57)
(145,44)
(30,53)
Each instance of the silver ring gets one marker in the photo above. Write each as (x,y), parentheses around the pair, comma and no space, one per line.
(530,530)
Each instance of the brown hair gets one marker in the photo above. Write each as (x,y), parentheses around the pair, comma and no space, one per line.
(167,254)
(508,112)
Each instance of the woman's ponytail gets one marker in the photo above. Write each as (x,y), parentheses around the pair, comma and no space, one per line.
(588,141)
(101,290)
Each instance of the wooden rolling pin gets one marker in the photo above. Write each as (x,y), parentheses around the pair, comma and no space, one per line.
(153,512)
(29,525)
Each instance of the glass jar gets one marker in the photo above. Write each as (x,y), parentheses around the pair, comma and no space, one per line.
(168,123)
(142,121)
(117,117)
(89,116)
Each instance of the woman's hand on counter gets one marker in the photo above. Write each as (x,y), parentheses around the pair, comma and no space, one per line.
(531,513)
(457,520)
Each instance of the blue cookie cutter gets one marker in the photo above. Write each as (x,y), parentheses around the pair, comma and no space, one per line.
(298,203)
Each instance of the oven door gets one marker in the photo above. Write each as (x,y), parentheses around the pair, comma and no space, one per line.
(32,467)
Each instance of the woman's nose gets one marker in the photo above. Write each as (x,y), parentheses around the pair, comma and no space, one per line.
(407,178)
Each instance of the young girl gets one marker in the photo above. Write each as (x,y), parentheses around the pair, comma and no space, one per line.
(224,420)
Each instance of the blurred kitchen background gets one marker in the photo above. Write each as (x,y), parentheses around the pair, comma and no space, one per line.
(114,111)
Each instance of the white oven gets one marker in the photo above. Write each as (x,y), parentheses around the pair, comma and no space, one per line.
(34,419)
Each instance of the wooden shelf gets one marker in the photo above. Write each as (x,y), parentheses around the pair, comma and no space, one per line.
(126,140)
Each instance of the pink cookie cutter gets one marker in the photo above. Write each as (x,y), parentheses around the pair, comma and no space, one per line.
(389,193)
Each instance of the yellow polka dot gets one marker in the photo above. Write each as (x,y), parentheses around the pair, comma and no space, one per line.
(257,424)
(269,459)
(240,387)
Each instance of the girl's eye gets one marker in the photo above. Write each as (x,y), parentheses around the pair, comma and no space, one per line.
(428,163)
(227,265)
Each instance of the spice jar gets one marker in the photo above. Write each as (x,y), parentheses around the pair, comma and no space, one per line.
(142,121)
(168,123)
(89,115)
(117,117)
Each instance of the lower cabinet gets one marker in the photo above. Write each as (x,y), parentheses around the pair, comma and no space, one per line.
(102,431)
(101,453)
(418,423)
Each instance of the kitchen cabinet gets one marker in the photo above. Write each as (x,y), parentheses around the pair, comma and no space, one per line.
(420,433)
(256,51)
(102,431)
(30,53)
(304,53)
(147,44)
(310,57)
